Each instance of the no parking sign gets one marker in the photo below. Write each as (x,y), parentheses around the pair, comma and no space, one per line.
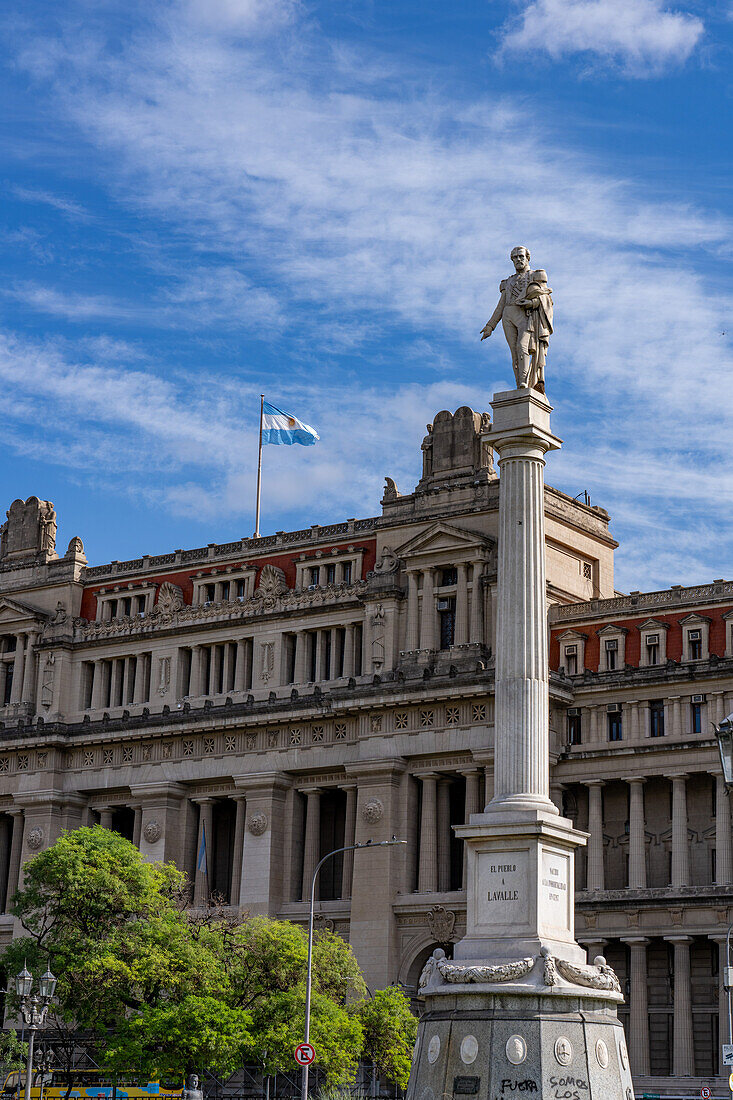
(304,1055)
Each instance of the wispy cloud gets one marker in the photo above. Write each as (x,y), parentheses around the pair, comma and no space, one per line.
(643,37)
(47,198)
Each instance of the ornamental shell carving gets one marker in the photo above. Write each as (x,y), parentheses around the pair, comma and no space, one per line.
(35,838)
(257,824)
(272,583)
(372,811)
(152,831)
(508,972)
(170,599)
(594,977)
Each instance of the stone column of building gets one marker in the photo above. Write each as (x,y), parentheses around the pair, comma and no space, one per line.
(632,707)
(137,825)
(593,724)
(474,805)
(593,948)
(412,639)
(717,706)
(312,847)
(238,850)
(477,605)
(444,834)
(683,1063)
(638,1005)
(262,884)
(201,887)
(721,940)
(461,628)
(427,878)
(674,716)
(5,847)
(240,666)
(215,669)
(680,847)
(16,691)
(349,665)
(347,871)
(334,670)
(318,642)
(97,684)
(16,853)
(29,670)
(637,840)
(595,876)
(227,683)
(105,817)
(138,677)
(428,615)
(723,852)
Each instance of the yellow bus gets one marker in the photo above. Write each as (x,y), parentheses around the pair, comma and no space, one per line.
(91,1084)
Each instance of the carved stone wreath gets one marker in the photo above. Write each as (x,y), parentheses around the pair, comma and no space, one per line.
(152,831)
(257,824)
(600,976)
(35,838)
(508,972)
(373,811)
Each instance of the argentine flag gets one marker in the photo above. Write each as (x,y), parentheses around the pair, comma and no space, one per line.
(280,427)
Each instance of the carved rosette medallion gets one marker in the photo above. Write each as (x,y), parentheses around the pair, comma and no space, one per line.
(434,1049)
(152,831)
(35,838)
(563,1051)
(257,824)
(602,1054)
(516,1049)
(372,811)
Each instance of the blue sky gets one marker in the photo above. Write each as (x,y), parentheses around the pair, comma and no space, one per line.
(203,199)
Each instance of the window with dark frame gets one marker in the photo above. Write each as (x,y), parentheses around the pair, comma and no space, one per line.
(615,726)
(575,733)
(696,717)
(656,718)
(611,654)
(448,577)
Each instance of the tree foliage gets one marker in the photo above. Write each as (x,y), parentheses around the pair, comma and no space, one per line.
(166,991)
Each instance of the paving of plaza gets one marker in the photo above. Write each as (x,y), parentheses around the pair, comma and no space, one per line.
(272,699)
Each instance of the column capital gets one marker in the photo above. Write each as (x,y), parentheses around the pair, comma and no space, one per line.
(636,779)
(204,800)
(635,941)
(672,776)
(427,775)
(593,782)
(681,940)
(310,790)
(348,786)
(470,772)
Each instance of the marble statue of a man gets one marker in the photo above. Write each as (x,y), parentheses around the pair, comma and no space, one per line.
(525,311)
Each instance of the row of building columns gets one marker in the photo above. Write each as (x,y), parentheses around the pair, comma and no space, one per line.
(422,616)
(312,847)
(24,669)
(120,678)
(635,715)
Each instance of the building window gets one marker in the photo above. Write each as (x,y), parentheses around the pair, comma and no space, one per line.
(8,682)
(331,573)
(346,572)
(571,660)
(696,717)
(615,729)
(656,718)
(240,588)
(652,649)
(209,593)
(447,624)
(694,641)
(314,574)
(575,733)
(611,654)
(448,577)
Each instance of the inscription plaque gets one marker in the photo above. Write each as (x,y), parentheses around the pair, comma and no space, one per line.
(502,889)
(554,882)
(466,1086)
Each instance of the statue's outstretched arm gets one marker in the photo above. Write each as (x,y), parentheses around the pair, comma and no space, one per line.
(493,321)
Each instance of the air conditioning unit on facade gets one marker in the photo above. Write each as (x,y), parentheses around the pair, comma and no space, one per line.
(695,636)
(652,639)
(313,587)
(570,650)
(698,698)
(611,645)
(443,605)
(573,712)
(613,708)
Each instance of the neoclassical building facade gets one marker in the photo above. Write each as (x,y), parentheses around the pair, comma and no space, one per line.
(245,708)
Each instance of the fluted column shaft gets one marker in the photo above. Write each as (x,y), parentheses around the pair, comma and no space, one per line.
(428,615)
(473,806)
(349,650)
(301,657)
(595,880)
(680,848)
(16,851)
(5,847)
(237,855)
(444,835)
(240,663)
(683,1064)
(312,852)
(105,817)
(637,845)
(723,854)
(16,690)
(638,1006)
(413,608)
(477,605)
(461,630)
(724,1031)
(97,684)
(137,825)
(427,880)
(29,670)
(197,659)
(347,872)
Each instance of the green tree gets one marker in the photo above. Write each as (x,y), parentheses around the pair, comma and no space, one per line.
(390,1031)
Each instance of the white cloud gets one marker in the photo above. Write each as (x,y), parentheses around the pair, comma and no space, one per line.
(643,36)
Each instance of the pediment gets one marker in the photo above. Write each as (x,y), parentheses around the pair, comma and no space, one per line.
(15,612)
(653,624)
(445,539)
(572,636)
(693,619)
(612,630)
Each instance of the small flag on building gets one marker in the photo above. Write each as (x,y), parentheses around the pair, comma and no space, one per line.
(279,427)
(201,864)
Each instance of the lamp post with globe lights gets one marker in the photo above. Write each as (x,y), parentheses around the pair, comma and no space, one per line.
(34,1007)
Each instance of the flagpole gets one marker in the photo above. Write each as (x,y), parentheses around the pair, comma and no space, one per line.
(259,471)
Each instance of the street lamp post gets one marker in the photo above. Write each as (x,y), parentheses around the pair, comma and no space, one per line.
(34,1007)
(724,737)
(308,981)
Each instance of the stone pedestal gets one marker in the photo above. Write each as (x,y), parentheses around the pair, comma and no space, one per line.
(518,1010)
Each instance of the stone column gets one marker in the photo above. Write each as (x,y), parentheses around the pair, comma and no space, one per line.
(239,664)
(412,637)
(5,846)
(595,877)
(474,804)
(126,673)
(16,691)
(29,670)
(680,847)
(319,655)
(347,872)
(427,879)
(105,817)
(477,605)
(137,825)
(138,678)
(461,631)
(201,888)
(632,707)
(723,854)
(301,653)
(16,852)
(265,842)
(593,725)
(215,669)
(683,1064)
(349,665)
(333,663)
(97,684)
(637,843)
(238,853)
(197,662)
(227,683)
(428,613)
(444,835)
(723,1023)
(638,1005)
(521,436)
(312,852)
(673,711)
